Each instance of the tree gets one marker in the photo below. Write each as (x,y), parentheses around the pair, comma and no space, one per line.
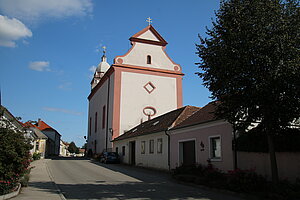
(14,155)
(73,148)
(250,63)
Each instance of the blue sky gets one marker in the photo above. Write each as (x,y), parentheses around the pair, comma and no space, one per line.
(48,48)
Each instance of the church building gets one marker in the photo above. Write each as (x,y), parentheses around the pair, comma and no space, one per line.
(142,84)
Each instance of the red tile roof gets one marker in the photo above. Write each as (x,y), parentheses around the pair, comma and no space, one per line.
(160,123)
(43,126)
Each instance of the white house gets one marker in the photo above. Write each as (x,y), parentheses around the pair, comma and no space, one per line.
(148,143)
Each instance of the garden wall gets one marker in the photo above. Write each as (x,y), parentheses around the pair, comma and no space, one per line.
(288,163)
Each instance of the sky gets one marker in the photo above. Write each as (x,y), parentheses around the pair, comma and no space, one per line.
(49,49)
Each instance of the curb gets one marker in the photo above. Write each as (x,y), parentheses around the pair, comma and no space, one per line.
(62,197)
(12,194)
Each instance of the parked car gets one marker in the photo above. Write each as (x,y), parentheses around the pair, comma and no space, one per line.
(110,157)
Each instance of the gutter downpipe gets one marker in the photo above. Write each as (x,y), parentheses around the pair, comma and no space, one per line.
(107,109)
(168,147)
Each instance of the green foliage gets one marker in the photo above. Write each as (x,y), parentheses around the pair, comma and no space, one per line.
(36,156)
(285,141)
(73,148)
(250,61)
(14,158)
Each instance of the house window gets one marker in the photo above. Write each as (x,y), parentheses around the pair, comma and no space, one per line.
(148,59)
(215,147)
(117,150)
(123,150)
(96,116)
(143,143)
(151,146)
(37,144)
(159,145)
(90,126)
(103,117)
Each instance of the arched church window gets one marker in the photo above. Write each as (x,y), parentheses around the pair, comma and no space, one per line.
(148,59)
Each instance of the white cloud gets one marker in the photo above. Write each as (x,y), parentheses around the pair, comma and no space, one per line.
(12,30)
(33,10)
(39,66)
(62,110)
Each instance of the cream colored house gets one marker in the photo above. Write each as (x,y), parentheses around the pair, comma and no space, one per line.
(63,150)
(147,144)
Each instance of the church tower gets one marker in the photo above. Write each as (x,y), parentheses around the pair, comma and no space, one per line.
(141,84)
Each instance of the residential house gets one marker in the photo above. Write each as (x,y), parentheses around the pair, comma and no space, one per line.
(148,143)
(9,120)
(53,142)
(202,139)
(63,150)
(40,140)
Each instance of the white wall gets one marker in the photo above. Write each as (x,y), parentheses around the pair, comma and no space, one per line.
(138,57)
(134,97)
(155,160)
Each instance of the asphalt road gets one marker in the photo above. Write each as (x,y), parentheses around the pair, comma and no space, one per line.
(85,179)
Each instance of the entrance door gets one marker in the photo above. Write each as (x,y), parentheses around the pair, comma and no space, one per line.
(132,153)
(187,154)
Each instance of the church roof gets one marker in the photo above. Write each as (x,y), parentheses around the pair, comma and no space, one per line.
(156,37)
(160,123)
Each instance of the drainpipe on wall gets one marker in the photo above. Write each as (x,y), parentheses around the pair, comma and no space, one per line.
(107,109)
(168,148)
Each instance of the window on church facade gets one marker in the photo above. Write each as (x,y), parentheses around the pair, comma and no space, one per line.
(96,116)
(103,117)
(148,59)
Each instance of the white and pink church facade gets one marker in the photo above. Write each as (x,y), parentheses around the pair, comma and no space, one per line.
(142,84)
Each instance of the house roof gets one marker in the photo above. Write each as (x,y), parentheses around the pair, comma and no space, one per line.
(35,129)
(42,125)
(39,133)
(160,123)
(4,112)
(205,114)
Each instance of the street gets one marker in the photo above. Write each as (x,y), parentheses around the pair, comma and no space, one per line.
(79,178)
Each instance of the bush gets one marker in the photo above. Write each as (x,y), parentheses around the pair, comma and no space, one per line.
(243,181)
(14,158)
(36,156)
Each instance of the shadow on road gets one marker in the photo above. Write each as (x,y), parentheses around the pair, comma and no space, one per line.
(142,174)
(131,190)
(68,158)
(152,184)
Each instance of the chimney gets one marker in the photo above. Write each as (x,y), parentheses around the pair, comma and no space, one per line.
(39,120)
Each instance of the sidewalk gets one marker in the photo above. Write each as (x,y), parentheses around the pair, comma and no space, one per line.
(40,185)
